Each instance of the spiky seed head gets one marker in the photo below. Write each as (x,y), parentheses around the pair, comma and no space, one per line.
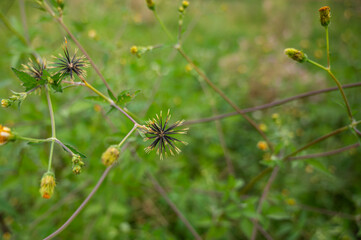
(296,55)
(325,15)
(47,185)
(110,156)
(35,68)
(162,135)
(69,65)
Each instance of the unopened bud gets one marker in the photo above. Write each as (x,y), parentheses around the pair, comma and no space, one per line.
(325,15)
(150,4)
(5,103)
(5,135)
(110,156)
(296,55)
(262,145)
(134,49)
(181,9)
(47,185)
(185,4)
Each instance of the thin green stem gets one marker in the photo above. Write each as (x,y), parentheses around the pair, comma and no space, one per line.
(112,103)
(318,65)
(349,112)
(128,135)
(53,132)
(343,94)
(165,29)
(328,48)
(33,140)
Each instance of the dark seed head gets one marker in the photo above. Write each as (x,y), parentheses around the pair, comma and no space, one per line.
(163,135)
(69,65)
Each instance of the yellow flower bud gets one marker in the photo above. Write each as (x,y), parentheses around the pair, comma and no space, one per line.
(185,4)
(5,103)
(262,145)
(325,15)
(110,156)
(181,9)
(296,55)
(47,185)
(134,49)
(5,135)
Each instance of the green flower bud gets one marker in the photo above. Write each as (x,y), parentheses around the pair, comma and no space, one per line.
(5,103)
(325,15)
(150,4)
(77,164)
(110,156)
(296,55)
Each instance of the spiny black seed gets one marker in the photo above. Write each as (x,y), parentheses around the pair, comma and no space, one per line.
(157,129)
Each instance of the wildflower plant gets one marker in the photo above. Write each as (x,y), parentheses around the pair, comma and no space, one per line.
(273,143)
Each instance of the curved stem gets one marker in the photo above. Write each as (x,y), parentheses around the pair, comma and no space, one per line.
(349,112)
(91,194)
(53,132)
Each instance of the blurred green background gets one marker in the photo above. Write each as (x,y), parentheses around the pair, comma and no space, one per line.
(239,44)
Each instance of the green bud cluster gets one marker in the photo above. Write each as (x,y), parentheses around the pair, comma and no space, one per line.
(77,164)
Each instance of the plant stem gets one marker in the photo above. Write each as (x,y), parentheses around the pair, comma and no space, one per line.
(224,96)
(272,104)
(112,103)
(91,194)
(328,49)
(291,156)
(165,29)
(328,70)
(53,132)
(127,136)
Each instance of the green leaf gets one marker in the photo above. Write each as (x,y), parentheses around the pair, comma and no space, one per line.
(319,166)
(28,81)
(111,96)
(74,150)
(126,96)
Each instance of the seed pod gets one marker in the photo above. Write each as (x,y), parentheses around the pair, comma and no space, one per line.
(296,55)
(110,156)
(47,185)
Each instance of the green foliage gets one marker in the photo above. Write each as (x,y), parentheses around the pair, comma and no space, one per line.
(239,45)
